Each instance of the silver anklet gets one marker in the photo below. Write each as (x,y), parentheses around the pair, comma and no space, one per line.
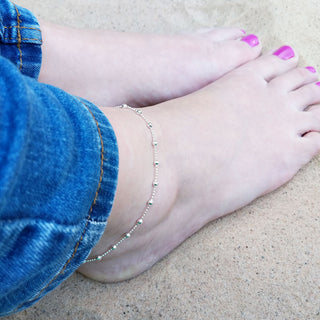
(154,187)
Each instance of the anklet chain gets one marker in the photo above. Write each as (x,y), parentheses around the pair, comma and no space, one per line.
(154,186)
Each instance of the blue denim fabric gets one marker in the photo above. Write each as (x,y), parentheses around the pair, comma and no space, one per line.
(58,176)
(20,38)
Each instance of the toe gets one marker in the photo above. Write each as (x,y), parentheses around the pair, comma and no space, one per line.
(228,55)
(248,48)
(309,120)
(306,96)
(270,66)
(311,142)
(294,79)
(223,34)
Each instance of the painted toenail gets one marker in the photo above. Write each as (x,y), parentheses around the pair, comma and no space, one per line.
(251,39)
(284,53)
(243,31)
(311,69)
(318,84)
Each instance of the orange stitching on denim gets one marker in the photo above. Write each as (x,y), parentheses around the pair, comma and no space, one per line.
(19,36)
(102,157)
(89,216)
(34,39)
(38,29)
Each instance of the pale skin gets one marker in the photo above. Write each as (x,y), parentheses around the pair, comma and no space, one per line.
(111,68)
(221,147)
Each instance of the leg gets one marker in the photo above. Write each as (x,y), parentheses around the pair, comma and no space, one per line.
(218,152)
(110,68)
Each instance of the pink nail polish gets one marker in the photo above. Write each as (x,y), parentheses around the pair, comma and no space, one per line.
(311,69)
(284,53)
(243,31)
(318,84)
(251,39)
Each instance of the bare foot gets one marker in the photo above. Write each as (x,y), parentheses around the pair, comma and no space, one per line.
(110,68)
(219,148)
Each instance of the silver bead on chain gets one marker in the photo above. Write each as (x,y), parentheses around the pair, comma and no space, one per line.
(155,184)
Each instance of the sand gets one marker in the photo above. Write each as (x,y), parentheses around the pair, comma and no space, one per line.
(262,262)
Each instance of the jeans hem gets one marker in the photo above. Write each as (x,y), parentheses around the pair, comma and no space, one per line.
(20,38)
(94,224)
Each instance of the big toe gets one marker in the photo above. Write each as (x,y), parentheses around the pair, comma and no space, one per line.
(222,34)
(230,54)
(273,64)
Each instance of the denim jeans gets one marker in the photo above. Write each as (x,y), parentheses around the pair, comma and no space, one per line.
(20,38)
(58,171)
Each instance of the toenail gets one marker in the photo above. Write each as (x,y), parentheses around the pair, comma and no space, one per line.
(284,53)
(311,69)
(251,39)
(318,84)
(243,31)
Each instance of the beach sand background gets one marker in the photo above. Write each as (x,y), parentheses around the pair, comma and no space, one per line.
(262,262)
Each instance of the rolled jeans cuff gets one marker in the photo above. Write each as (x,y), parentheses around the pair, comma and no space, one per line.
(58,178)
(20,38)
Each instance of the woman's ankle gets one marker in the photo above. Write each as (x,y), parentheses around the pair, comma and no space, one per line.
(135,187)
